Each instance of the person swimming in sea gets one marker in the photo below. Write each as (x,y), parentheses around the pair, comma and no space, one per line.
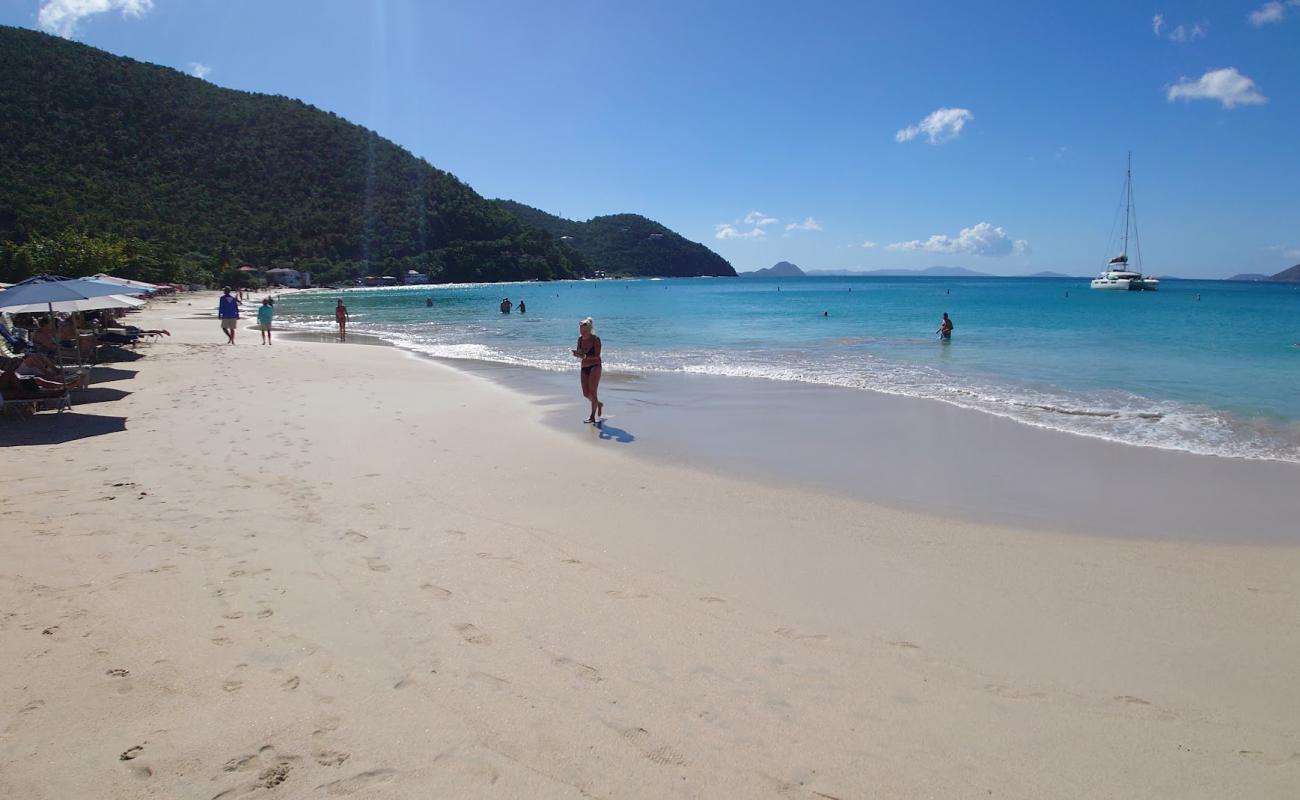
(522,308)
(428,302)
(588,349)
(945,327)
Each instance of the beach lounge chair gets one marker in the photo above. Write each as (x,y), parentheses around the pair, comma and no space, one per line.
(33,401)
(21,393)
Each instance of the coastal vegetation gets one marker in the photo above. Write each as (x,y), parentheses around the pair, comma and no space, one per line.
(626,245)
(108,164)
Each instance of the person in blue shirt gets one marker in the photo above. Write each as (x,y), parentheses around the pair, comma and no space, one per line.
(228,311)
(264,314)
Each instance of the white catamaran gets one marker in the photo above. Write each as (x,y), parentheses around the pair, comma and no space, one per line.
(1117,274)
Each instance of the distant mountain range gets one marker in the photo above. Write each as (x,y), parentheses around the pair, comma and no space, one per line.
(1288,275)
(784,269)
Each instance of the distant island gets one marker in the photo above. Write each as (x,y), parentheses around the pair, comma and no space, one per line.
(625,245)
(1288,275)
(934,272)
(781,269)
(114,165)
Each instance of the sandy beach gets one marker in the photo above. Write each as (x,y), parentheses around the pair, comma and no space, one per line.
(318,570)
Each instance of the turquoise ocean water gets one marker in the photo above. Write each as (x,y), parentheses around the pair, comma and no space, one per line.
(1216,375)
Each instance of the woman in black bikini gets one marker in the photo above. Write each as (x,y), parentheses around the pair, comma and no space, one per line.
(588,350)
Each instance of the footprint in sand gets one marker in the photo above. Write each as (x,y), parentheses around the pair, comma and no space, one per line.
(906,645)
(35,705)
(264,613)
(117,673)
(583,671)
(273,770)
(663,755)
(1012,693)
(712,599)
(291,684)
(358,782)
(791,633)
(437,592)
(1128,698)
(377,564)
(131,752)
(621,595)
(354,536)
(232,686)
(470,633)
(330,758)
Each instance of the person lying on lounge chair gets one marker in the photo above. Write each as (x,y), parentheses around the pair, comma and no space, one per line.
(13,383)
(39,366)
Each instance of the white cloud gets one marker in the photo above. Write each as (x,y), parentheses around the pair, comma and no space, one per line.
(1227,85)
(1157,22)
(760,219)
(980,240)
(728,231)
(1289,253)
(809,224)
(869,245)
(62,16)
(1268,14)
(940,126)
(199,70)
(1186,33)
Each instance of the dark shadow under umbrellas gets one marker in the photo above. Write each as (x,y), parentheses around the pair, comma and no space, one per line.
(116,355)
(102,374)
(51,428)
(96,394)
(608,431)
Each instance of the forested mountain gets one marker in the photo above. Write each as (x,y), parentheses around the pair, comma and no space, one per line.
(153,166)
(625,244)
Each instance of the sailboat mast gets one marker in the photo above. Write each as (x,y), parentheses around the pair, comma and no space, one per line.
(1128,198)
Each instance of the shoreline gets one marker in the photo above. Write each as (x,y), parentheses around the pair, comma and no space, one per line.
(315,571)
(871,446)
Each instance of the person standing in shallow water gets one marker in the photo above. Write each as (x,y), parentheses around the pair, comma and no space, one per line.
(341,317)
(588,350)
(264,314)
(945,327)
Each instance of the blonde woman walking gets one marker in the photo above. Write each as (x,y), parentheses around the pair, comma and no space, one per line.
(588,350)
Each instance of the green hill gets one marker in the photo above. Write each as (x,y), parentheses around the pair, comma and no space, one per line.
(625,244)
(154,162)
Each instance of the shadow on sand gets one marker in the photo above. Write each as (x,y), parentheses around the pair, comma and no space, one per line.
(101,374)
(97,394)
(607,431)
(50,428)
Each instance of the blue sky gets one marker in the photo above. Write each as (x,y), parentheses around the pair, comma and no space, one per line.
(833,135)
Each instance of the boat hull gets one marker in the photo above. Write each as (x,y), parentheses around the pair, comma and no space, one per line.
(1126,284)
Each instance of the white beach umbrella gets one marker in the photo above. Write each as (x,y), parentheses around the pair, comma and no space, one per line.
(34,296)
(139,286)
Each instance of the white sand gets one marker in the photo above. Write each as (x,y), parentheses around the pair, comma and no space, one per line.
(332,570)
